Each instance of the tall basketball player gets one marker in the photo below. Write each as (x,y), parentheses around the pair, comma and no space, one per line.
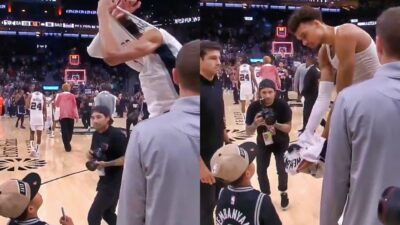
(346,48)
(155,49)
(36,103)
(248,84)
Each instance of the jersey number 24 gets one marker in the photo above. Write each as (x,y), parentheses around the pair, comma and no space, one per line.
(35,106)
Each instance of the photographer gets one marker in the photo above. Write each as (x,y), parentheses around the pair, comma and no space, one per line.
(107,156)
(272,118)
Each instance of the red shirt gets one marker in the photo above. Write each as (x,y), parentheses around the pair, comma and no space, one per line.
(67,103)
(269,71)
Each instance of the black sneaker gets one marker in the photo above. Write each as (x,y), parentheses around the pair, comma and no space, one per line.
(284,201)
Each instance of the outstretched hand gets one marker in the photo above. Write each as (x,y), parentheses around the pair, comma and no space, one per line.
(129,5)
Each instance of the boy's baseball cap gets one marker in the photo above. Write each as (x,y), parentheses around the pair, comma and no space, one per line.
(15,195)
(231,161)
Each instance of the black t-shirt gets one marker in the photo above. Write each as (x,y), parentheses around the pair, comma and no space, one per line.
(212,118)
(282,112)
(245,205)
(113,143)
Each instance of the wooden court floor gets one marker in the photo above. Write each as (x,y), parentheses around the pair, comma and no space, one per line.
(76,192)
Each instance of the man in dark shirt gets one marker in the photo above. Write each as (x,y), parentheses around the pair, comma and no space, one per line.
(212,132)
(310,89)
(272,118)
(108,150)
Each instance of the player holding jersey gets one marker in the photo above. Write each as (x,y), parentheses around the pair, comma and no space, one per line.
(36,103)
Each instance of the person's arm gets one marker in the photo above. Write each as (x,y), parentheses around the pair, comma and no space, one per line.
(325,89)
(336,181)
(116,162)
(57,101)
(28,102)
(253,120)
(112,52)
(284,127)
(76,115)
(345,50)
(206,176)
(133,186)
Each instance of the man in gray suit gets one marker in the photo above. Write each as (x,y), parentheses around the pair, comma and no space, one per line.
(363,147)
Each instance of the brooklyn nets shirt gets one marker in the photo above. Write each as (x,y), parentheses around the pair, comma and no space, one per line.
(245,206)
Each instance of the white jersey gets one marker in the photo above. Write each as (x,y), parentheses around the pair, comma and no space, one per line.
(257,70)
(366,62)
(36,109)
(156,81)
(155,69)
(245,76)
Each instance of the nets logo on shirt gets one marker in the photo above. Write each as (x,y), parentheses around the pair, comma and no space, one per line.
(231,216)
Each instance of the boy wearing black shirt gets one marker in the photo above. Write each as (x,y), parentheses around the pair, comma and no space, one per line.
(110,144)
(239,203)
(271,117)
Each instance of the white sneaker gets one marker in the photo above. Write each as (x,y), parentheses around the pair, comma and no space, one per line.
(52,135)
(34,153)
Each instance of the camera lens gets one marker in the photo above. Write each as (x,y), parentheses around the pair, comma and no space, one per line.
(91,165)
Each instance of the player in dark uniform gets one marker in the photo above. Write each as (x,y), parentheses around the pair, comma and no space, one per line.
(239,203)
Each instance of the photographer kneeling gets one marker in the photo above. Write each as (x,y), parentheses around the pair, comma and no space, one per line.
(107,156)
(272,118)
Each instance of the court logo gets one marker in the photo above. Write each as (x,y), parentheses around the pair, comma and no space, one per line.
(8,148)
(21,164)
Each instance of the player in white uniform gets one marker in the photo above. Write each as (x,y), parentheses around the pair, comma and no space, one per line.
(247,84)
(50,115)
(145,48)
(347,56)
(37,106)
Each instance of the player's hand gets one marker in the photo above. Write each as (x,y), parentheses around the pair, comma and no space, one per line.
(106,7)
(129,5)
(206,176)
(66,220)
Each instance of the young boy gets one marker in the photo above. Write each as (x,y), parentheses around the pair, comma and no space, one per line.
(239,203)
(20,201)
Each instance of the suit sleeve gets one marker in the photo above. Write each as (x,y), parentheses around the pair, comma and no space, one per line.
(133,187)
(336,181)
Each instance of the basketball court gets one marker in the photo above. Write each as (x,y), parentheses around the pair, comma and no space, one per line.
(76,192)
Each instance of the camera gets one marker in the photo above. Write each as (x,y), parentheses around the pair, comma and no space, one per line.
(269,116)
(98,155)
(389,206)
